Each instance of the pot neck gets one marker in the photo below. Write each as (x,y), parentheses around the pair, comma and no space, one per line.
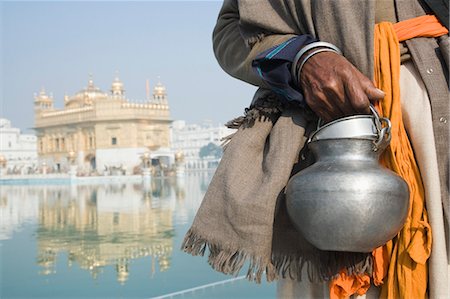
(344,148)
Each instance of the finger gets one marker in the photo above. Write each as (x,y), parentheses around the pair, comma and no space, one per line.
(317,100)
(342,104)
(336,94)
(347,107)
(374,94)
(328,105)
(357,97)
(320,109)
(325,116)
(350,84)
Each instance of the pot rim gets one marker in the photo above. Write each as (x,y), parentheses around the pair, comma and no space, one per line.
(356,126)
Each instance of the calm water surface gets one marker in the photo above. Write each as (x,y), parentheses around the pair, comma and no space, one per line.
(117,240)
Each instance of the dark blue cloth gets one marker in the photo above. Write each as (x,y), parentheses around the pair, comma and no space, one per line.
(274,67)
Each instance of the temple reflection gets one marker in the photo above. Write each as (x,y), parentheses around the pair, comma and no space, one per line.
(104,225)
(98,226)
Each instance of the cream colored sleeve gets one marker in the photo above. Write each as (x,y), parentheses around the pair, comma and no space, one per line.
(231,51)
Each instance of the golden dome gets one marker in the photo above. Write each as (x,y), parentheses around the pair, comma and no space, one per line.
(43,97)
(87,95)
(43,101)
(179,156)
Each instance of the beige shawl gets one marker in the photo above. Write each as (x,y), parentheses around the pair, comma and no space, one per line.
(243,215)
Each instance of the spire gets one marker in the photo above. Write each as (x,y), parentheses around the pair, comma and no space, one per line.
(147,89)
(42,100)
(42,93)
(117,86)
(159,93)
(91,81)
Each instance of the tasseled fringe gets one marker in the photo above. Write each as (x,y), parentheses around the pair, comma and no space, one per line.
(235,123)
(250,116)
(266,109)
(226,140)
(263,109)
(229,261)
(323,266)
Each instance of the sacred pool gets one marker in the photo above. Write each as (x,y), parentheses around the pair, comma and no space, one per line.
(108,240)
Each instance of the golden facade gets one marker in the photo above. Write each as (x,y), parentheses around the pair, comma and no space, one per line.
(102,129)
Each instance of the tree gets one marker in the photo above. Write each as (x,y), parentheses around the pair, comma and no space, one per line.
(210,149)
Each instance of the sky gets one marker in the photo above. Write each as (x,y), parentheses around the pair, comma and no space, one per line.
(56,45)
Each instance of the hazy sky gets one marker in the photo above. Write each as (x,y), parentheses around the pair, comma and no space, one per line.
(57,45)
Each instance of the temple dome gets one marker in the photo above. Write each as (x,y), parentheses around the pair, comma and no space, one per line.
(86,96)
(43,97)
(43,101)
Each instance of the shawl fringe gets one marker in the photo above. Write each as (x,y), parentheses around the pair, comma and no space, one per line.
(263,109)
(321,267)
(227,260)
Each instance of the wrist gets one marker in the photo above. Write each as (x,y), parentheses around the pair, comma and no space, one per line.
(306,53)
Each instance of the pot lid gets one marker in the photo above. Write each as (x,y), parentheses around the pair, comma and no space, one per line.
(356,126)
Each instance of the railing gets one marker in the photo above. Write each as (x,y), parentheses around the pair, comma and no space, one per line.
(104,112)
(202,287)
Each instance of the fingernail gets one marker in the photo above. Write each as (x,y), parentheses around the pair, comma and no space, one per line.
(381,91)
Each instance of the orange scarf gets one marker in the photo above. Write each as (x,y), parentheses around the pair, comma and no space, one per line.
(400,265)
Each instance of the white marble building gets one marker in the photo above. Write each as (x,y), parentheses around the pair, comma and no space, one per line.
(190,138)
(19,150)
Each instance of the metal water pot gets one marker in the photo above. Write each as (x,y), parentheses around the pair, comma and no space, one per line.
(346,201)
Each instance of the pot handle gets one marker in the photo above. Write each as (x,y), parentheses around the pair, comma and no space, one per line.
(383,126)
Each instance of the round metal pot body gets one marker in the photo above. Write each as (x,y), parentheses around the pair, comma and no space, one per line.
(346,201)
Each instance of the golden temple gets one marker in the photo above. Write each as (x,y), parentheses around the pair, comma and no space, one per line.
(102,130)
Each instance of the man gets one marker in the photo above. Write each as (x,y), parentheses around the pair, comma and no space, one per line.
(259,41)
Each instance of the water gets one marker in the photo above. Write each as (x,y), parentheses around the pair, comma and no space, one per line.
(116,240)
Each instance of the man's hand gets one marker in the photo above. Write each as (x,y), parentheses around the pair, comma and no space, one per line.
(334,88)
